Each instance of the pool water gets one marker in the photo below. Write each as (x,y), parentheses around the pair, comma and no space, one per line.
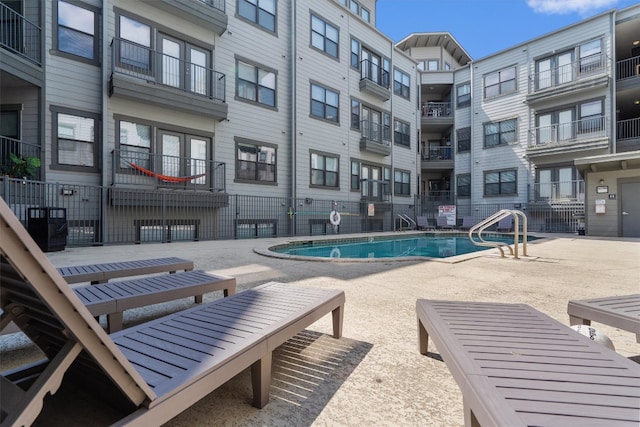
(433,246)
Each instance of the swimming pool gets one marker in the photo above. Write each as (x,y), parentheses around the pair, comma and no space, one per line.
(429,245)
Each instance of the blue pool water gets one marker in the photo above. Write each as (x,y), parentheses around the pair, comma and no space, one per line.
(428,245)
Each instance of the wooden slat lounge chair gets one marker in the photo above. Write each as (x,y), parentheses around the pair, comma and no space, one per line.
(112,299)
(101,273)
(618,311)
(159,368)
(517,366)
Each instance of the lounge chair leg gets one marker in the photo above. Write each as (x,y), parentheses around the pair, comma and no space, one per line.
(423,338)
(114,322)
(574,320)
(261,380)
(198,299)
(338,315)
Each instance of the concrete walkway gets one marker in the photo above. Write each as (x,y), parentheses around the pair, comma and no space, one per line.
(374,375)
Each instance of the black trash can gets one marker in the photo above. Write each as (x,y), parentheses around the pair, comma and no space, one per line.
(48,227)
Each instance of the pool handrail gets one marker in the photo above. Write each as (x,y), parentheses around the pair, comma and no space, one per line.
(480,227)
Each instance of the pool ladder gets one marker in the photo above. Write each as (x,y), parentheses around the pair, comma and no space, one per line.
(475,232)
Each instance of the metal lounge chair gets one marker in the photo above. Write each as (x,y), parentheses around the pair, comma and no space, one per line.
(467,223)
(443,224)
(505,224)
(158,368)
(517,366)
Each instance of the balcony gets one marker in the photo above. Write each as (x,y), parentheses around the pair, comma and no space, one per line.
(206,13)
(374,80)
(586,134)
(149,76)
(437,158)
(586,73)
(628,68)
(438,116)
(628,135)
(21,149)
(23,40)
(375,138)
(152,171)
(559,192)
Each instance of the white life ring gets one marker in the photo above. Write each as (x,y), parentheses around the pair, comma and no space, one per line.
(335,253)
(334,218)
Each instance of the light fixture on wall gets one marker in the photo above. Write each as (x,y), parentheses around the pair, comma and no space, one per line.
(601,181)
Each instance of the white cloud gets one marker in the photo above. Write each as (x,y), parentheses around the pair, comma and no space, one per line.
(562,7)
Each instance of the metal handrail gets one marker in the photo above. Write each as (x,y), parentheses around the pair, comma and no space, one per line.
(410,222)
(480,227)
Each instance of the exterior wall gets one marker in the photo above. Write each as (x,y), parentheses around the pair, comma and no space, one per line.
(607,224)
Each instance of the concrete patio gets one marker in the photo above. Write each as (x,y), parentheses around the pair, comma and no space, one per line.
(374,375)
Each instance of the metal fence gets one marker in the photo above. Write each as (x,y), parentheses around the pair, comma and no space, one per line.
(113,215)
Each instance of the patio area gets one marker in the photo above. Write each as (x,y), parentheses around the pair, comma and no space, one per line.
(374,375)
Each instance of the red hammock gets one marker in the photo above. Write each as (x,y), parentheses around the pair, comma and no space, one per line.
(166,178)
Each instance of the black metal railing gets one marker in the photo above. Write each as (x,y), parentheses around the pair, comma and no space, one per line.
(628,68)
(587,128)
(375,132)
(152,66)
(559,191)
(143,168)
(436,109)
(23,150)
(567,73)
(369,70)
(216,4)
(19,35)
(437,153)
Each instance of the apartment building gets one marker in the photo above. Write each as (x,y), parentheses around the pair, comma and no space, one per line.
(163,104)
(550,126)
(159,120)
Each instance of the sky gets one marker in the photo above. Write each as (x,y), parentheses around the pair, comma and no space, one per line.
(484,27)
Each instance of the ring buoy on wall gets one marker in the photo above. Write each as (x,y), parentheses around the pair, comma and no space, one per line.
(334,218)
(335,253)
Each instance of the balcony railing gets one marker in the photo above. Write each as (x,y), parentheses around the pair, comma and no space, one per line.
(153,66)
(559,191)
(19,35)
(373,72)
(568,73)
(376,132)
(628,129)
(588,128)
(437,153)
(19,148)
(216,4)
(156,170)
(436,109)
(628,68)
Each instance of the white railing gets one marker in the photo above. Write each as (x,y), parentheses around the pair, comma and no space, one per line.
(576,70)
(588,128)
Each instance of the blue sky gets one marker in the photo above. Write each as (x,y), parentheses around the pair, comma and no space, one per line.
(483,27)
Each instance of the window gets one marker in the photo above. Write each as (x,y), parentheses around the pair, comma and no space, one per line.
(401,133)
(75,146)
(432,65)
(499,133)
(555,70)
(135,47)
(364,13)
(355,114)
(500,83)
(135,144)
(401,83)
(447,66)
(464,139)
(354,6)
(401,183)
(463,185)
(355,175)
(324,103)
(324,37)
(255,162)
(498,183)
(591,118)
(324,170)
(559,183)
(162,150)
(463,93)
(590,56)
(76,30)
(355,53)
(260,12)
(256,84)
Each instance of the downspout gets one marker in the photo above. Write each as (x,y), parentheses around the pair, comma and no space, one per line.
(613,88)
(292,113)
(472,125)
(104,176)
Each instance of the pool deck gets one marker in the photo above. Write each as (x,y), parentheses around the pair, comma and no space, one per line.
(374,375)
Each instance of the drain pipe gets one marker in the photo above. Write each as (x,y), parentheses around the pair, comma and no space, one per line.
(292,114)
